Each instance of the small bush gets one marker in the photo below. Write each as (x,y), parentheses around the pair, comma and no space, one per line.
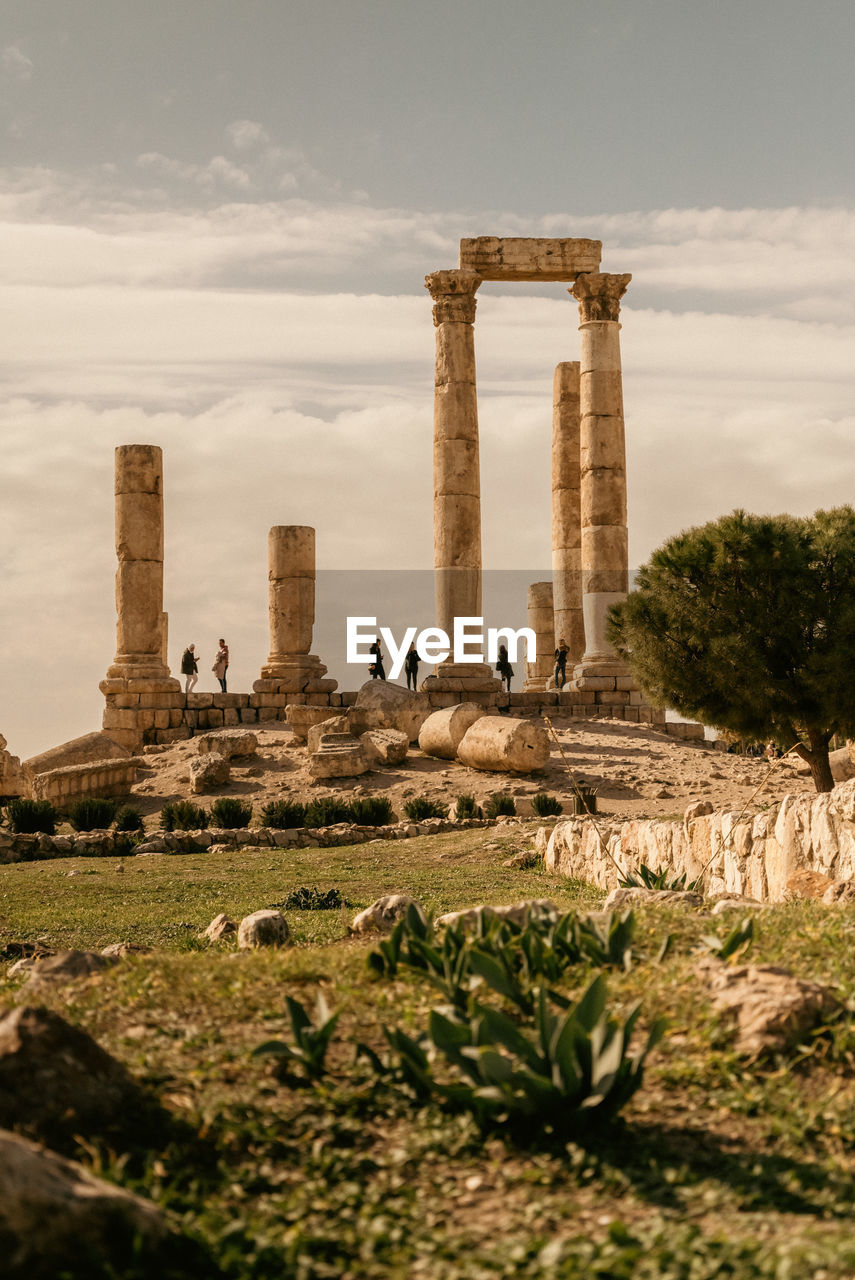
(373,811)
(500,805)
(326,812)
(467,808)
(283,814)
(90,813)
(546,806)
(26,817)
(304,899)
(420,808)
(183,815)
(129,819)
(230,813)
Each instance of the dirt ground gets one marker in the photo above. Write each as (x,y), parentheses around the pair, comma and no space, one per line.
(639,772)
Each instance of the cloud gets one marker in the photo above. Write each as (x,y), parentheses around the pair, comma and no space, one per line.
(246,134)
(15,64)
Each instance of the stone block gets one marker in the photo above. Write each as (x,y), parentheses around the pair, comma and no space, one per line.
(222,700)
(631,713)
(161,720)
(636,698)
(114,718)
(524,258)
(317,699)
(177,716)
(442,699)
(348,697)
(266,714)
(248,715)
(595,684)
(265,686)
(613,698)
(145,720)
(167,685)
(645,715)
(257,700)
(231,716)
(657,715)
(213,717)
(199,700)
(181,734)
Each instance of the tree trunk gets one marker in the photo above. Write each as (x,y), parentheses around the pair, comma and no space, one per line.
(817,758)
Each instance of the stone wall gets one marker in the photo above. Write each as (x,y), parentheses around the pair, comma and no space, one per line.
(755,855)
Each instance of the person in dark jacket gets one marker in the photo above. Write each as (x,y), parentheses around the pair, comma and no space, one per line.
(189,668)
(411,667)
(376,668)
(561,664)
(503,666)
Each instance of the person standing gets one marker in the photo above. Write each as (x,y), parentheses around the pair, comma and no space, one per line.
(376,668)
(189,668)
(221,664)
(561,664)
(411,666)
(503,666)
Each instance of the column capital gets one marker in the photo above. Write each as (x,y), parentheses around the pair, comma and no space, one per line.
(598,294)
(453,294)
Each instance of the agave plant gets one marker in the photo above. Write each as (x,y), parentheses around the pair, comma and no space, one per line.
(662,879)
(311,1041)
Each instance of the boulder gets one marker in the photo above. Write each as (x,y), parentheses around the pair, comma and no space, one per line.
(121,950)
(697,809)
(266,928)
(736,902)
(301,718)
(839,893)
(773,1009)
(339,755)
(228,743)
(332,724)
(503,745)
(620,898)
(381,705)
(442,732)
(222,926)
(209,772)
(385,746)
(83,750)
(383,915)
(804,883)
(842,765)
(518,913)
(63,966)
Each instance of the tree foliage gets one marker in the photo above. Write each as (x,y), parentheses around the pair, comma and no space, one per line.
(748,623)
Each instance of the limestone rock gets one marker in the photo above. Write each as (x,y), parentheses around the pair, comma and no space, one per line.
(383,915)
(339,755)
(839,893)
(804,883)
(498,743)
(228,743)
(302,718)
(442,732)
(332,724)
(209,772)
(842,765)
(63,966)
(12,781)
(697,809)
(222,926)
(83,750)
(620,898)
(384,746)
(121,950)
(774,1009)
(266,928)
(523,860)
(382,705)
(517,912)
(736,902)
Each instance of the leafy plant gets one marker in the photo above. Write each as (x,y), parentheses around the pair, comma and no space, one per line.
(183,815)
(663,879)
(467,808)
(326,811)
(91,813)
(230,813)
(545,805)
(28,817)
(311,1041)
(420,808)
(372,811)
(312,900)
(283,814)
(128,819)
(734,944)
(500,805)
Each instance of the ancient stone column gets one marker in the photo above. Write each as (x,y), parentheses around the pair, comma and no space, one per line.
(541,621)
(456,465)
(605,566)
(567,513)
(290,667)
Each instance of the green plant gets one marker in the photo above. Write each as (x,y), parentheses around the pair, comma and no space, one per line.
(500,805)
(91,813)
(734,944)
(372,811)
(128,819)
(664,879)
(283,814)
(467,808)
(545,805)
(230,813)
(312,900)
(311,1041)
(420,808)
(183,815)
(326,811)
(27,817)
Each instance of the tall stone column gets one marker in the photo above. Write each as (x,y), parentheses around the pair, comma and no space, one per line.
(290,667)
(567,512)
(605,565)
(541,622)
(456,469)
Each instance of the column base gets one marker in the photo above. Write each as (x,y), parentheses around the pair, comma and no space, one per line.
(457,677)
(535,684)
(606,674)
(297,673)
(138,667)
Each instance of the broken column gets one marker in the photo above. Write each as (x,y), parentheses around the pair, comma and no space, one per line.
(604,548)
(569,625)
(290,667)
(540,620)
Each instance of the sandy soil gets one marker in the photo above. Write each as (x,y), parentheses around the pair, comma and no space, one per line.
(638,772)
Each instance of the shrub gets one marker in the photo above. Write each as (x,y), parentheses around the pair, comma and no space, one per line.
(304,899)
(662,879)
(230,813)
(129,819)
(283,814)
(310,1042)
(90,813)
(546,806)
(420,807)
(500,805)
(326,812)
(372,811)
(26,817)
(467,808)
(183,815)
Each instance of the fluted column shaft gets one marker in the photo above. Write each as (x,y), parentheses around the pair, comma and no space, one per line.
(540,620)
(567,512)
(140,640)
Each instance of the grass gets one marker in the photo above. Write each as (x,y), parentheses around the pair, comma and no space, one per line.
(720,1168)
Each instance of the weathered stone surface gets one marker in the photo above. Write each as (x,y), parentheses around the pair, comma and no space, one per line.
(442,732)
(804,883)
(523,258)
(842,765)
(266,928)
(335,724)
(517,912)
(773,1009)
(737,902)
(209,772)
(697,809)
(338,755)
(301,718)
(384,746)
(383,705)
(229,743)
(12,781)
(82,750)
(505,745)
(540,619)
(64,966)
(621,898)
(121,950)
(382,915)
(222,926)
(839,893)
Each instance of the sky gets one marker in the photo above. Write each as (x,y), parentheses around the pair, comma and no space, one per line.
(217,216)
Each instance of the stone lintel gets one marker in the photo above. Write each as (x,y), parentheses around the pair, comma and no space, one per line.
(520,258)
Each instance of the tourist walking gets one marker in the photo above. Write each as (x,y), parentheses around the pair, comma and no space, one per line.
(189,669)
(376,669)
(503,666)
(561,664)
(411,667)
(221,664)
